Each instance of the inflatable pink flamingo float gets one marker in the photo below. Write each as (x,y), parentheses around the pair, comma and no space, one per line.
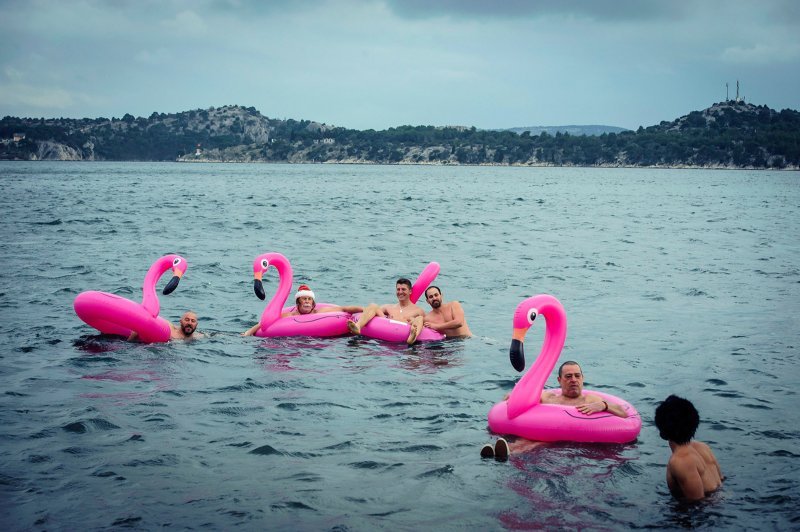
(524,415)
(272,324)
(391,330)
(112,314)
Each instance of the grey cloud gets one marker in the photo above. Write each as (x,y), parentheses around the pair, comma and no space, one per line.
(592,9)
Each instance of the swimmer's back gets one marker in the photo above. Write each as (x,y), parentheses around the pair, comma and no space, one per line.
(693,462)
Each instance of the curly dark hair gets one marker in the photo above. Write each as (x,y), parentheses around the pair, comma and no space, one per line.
(677,419)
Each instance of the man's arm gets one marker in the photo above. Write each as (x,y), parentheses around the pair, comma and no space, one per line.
(252,330)
(595,404)
(350,309)
(174,332)
(708,456)
(685,474)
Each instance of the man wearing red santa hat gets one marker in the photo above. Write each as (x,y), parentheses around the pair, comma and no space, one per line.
(305,303)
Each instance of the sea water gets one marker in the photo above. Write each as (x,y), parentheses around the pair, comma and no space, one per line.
(673,281)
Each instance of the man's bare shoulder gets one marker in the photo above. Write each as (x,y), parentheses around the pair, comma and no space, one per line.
(549,397)
(686,455)
(592,398)
(704,451)
(700,446)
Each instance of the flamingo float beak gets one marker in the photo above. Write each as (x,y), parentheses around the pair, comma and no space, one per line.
(258,286)
(173,283)
(516,352)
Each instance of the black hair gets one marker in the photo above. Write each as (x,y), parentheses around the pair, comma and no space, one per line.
(405,281)
(677,419)
(568,363)
(432,286)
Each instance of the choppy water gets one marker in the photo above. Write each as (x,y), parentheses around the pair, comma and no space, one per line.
(682,282)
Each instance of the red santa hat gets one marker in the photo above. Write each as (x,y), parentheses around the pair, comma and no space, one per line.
(304,291)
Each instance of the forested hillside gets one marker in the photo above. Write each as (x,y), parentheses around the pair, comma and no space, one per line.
(728,134)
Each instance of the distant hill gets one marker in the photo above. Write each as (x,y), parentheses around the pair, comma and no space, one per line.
(571,130)
(726,135)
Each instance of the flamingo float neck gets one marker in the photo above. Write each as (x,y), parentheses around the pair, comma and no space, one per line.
(149,297)
(528,390)
(273,309)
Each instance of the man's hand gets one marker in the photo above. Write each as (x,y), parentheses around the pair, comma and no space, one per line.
(592,408)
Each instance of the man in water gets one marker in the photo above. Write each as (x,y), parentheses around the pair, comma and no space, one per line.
(404,310)
(447,318)
(570,378)
(305,303)
(692,471)
(186,330)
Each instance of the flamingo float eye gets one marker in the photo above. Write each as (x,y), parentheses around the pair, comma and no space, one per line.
(176,262)
(264,263)
(532,313)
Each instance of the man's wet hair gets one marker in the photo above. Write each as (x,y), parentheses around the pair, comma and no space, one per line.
(677,419)
(568,363)
(432,286)
(404,281)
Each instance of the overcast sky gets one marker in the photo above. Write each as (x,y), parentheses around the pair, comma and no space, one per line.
(382,63)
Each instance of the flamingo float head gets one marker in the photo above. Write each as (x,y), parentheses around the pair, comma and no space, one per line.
(179,265)
(261,264)
(524,316)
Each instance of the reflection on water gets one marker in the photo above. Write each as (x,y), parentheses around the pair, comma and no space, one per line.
(561,483)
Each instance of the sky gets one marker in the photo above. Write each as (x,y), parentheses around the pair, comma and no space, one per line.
(376,64)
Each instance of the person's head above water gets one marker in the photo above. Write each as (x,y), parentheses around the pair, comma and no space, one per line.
(403,289)
(433,295)
(677,419)
(188,323)
(304,300)
(570,377)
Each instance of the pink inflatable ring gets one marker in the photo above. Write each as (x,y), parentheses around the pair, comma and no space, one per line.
(524,415)
(271,322)
(397,331)
(112,314)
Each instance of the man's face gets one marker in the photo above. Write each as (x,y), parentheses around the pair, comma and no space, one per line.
(434,298)
(305,304)
(403,292)
(189,323)
(571,381)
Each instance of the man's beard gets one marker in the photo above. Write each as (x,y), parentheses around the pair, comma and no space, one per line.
(188,330)
(436,304)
